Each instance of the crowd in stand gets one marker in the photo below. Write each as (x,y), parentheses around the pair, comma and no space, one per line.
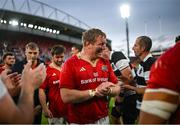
(78,89)
(17,46)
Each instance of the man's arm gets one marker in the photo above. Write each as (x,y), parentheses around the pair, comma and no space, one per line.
(127,76)
(23,112)
(137,89)
(146,118)
(128,79)
(77,96)
(42,98)
(14,87)
(158,105)
(74,96)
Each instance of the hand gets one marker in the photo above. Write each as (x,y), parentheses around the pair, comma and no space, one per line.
(129,87)
(11,81)
(32,78)
(103,89)
(37,110)
(48,113)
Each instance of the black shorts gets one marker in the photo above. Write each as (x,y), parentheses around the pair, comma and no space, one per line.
(126,109)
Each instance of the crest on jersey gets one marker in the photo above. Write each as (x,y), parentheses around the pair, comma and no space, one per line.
(104,68)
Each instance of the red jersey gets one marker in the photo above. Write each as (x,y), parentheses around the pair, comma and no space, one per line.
(81,75)
(1,69)
(51,84)
(165,74)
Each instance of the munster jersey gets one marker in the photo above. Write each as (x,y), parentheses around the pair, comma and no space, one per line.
(81,75)
(164,84)
(51,84)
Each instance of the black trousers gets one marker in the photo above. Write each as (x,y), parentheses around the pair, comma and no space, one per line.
(130,111)
(37,119)
(127,109)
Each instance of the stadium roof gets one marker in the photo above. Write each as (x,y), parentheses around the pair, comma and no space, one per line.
(45,20)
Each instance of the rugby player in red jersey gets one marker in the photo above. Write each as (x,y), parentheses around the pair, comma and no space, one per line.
(86,81)
(56,109)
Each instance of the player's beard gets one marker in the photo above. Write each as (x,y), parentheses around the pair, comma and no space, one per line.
(58,63)
(10,64)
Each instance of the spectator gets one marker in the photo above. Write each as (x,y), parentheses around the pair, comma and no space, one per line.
(125,103)
(23,112)
(86,81)
(162,96)
(31,53)
(8,60)
(75,49)
(177,39)
(56,109)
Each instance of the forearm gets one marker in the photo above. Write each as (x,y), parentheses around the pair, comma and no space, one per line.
(140,90)
(147,118)
(74,96)
(160,113)
(25,104)
(22,113)
(12,114)
(42,98)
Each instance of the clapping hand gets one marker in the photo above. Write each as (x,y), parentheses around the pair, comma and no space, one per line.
(104,89)
(11,81)
(32,78)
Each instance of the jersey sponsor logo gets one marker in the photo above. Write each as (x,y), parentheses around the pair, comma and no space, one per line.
(56,82)
(86,81)
(82,69)
(95,74)
(140,71)
(104,68)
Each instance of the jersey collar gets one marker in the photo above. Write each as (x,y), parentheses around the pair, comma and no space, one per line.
(149,55)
